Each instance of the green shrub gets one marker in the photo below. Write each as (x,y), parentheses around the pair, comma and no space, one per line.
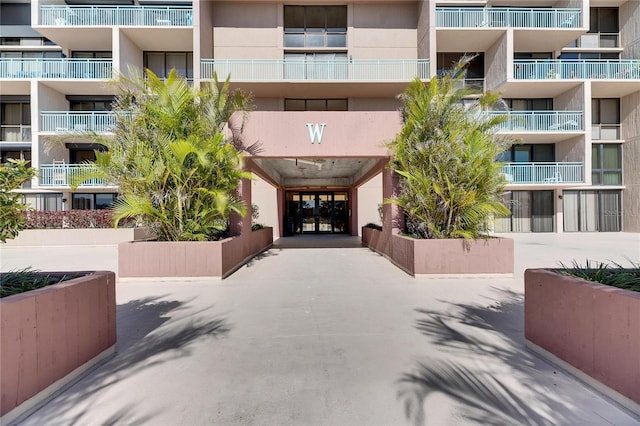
(445,155)
(12,175)
(20,281)
(613,274)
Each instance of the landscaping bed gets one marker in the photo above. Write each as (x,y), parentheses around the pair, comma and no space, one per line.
(590,326)
(50,335)
(443,256)
(183,259)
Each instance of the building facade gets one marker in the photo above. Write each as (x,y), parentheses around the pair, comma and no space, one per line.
(325,76)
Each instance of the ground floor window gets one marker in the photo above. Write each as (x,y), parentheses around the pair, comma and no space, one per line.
(531,211)
(317,212)
(97,201)
(46,202)
(592,211)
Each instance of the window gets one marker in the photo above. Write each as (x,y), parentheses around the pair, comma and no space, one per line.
(605,23)
(316,66)
(591,56)
(98,201)
(15,154)
(91,55)
(593,211)
(90,103)
(15,13)
(316,105)
(15,121)
(532,55)
(32,54)
(161,63)
(47,202)
(535,104)
(474,74)
(606,164)
(531,211)
(605,119)
(315,26)
(528,153)
(25,41)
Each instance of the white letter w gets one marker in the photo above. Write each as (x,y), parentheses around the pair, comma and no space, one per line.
(316,131)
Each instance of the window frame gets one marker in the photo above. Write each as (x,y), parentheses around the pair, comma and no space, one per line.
(600,170)
(308,36)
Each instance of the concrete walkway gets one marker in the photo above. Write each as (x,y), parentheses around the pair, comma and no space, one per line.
(332,336)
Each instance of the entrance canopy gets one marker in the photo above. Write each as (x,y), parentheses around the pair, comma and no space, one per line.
(307,172)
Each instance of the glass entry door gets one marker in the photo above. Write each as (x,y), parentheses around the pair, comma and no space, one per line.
(317,212)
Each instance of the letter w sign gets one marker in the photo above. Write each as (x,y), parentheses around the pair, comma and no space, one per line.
(316,131)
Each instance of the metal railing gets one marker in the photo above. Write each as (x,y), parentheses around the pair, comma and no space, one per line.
(540,121)
(553,69)
(64,174)
(59,68)
(542,173)
(500,17)
(335,70)
(148,16)
(77,121)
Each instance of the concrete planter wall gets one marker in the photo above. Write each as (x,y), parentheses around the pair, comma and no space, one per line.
(51,334)
(593,327)
(89,236)
(441,257)
(190,258)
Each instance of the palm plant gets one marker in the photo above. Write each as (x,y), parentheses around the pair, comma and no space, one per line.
(12,175)
(445,155)
(170,155)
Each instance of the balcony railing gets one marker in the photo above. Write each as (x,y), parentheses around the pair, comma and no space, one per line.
(500,17)
(552,69)
(542,173)
(540,121)
(335,70)
(65,174)
(148,16)
(77,121)
(60,68)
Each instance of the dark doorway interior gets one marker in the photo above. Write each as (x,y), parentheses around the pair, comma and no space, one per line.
(317,212)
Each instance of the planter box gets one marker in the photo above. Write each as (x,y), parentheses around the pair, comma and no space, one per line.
(68,237)
(593,327)
(185,259)
(50,335)
(443,257)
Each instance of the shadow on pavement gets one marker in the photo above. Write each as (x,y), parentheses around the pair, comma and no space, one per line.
(485,368)
(144,341)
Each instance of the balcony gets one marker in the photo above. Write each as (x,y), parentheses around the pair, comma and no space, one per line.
(540,121)
(63,68)
(64,174)
(542,173)
(552,69)
(107,16)
(336,70)
(77,121)
(500,17)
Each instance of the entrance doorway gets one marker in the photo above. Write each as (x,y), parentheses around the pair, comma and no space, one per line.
(317,212)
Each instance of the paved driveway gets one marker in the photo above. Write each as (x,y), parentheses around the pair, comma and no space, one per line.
(335,336)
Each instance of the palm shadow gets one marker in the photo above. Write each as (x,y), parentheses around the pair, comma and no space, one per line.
(475,340)
(144,341)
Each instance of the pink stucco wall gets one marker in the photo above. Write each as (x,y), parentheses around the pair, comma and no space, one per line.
(48,333)
(190,258)
(492,256)
(352,134)
(593,327)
